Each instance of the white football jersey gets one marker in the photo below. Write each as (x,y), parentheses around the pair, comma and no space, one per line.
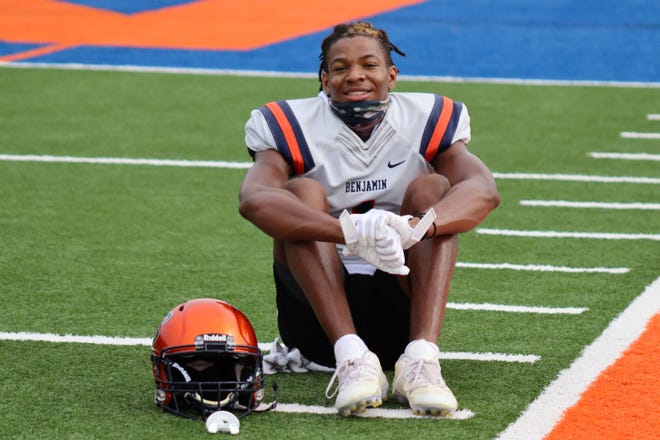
(359,175)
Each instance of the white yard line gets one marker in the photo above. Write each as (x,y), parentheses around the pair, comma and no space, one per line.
(546,411)
(265,346)
(490,357)
(125,161)
(461,414)
(638,135)
(626,156)
(559,234)
(78,339)
(544,268)
(517,309)
(578,178)
(597,205)
(245,165)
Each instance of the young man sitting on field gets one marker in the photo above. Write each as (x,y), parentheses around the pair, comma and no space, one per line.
(369,289)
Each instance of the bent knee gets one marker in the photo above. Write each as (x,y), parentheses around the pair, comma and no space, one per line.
(433,182)
(309,191)
(424,191)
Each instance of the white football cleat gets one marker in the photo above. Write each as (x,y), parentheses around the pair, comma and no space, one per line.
(419,383)
(362,384)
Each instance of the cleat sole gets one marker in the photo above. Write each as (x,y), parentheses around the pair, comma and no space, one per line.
(359,407)
(434,412)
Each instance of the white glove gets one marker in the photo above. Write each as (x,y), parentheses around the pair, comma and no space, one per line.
(369,236)
(390,253)
(371,226)
(410,236)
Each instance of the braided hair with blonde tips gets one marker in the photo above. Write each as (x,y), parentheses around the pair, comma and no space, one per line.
(358,29)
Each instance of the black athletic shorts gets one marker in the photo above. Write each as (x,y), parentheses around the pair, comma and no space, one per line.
(380,310)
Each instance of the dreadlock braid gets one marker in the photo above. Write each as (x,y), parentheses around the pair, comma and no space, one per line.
(359,29)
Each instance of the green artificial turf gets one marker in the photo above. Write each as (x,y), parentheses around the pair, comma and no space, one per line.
(109,249)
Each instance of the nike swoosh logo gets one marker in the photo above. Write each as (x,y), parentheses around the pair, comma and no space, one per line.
(392,165)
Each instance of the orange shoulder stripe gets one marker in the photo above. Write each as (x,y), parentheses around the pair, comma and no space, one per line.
(287,130)
(440,128)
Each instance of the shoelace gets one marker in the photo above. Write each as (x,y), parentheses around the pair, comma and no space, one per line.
(348,372)
(423,372)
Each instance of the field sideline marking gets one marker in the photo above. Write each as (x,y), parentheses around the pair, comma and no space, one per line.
(598,205)
(245,165)
(629,388)
(308,75)
(544,413)
(558,234)
(626,156)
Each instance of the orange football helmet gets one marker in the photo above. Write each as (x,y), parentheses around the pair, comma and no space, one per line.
(205,358)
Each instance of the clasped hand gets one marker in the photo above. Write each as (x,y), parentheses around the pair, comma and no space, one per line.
(380,237)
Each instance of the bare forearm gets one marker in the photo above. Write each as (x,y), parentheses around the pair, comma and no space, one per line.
(473,193)
(464,207)
(281,215)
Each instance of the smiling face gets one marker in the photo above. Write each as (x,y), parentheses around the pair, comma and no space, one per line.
(358,71)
